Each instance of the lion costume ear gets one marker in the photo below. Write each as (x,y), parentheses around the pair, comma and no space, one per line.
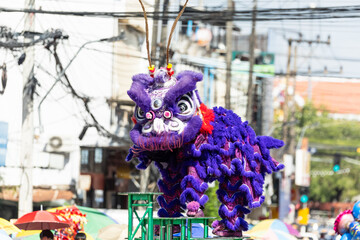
(186,82)
(196,77)
(137,91)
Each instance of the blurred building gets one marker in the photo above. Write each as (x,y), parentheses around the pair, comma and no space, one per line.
(338,96)
(327,90)
(71,161)
(202,48)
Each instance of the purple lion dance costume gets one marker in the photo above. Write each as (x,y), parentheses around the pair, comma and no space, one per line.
(192,146)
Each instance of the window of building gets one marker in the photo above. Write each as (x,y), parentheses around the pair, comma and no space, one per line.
(92,160)
(98,155)
(84,156)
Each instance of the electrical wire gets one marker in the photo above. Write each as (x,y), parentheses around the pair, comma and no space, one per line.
(85,100)
(273,14)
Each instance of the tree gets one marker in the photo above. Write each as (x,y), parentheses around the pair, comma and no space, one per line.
(212,206)
(336,187)
(335,136)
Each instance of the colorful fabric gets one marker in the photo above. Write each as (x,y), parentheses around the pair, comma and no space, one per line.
(77,220)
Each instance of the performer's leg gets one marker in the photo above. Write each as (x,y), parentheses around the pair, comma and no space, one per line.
(231,210)
(171,187)
(193,187)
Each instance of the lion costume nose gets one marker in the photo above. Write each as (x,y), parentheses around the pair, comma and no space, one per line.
(158,125)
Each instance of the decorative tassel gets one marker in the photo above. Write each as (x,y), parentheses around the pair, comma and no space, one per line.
(152,70)
(169,70)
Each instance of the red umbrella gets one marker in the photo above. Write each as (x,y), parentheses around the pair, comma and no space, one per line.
(41,220)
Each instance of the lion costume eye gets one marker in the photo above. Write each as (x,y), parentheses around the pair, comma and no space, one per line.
(139,114)
(185,105)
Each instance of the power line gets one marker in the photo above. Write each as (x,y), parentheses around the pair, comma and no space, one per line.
(85,100)
(271,14)
(49,39)
(14,44)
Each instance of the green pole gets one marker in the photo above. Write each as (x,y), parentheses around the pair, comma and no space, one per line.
(189,229)
(141,222)
(168,231)
(151,222)
(206,228)
(130,216)
(143,234)
(183,230)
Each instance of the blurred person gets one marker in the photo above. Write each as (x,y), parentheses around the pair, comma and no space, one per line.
(80,236)
(46,235)
(322,236)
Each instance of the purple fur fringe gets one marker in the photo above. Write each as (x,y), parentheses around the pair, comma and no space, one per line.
(232,154)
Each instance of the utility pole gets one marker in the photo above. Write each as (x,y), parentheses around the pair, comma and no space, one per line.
(286,100)
(284,180)
(288,135)
(291,128)
(288,131)
(252,46)
(309,90)
(229,28)
(27,138)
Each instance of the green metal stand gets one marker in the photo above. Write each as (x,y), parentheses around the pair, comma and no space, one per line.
(147,222)
(148,215)
(201,220)
(222,238)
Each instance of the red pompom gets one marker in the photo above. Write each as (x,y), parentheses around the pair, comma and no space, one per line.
(208,116)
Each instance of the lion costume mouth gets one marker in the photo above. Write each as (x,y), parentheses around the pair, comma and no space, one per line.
(161,126)
(167,140)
